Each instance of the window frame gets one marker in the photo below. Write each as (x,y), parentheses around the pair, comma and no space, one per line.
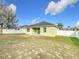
(44,29)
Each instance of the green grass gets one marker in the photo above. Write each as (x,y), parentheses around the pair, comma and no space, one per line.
(68,40)
(75,41)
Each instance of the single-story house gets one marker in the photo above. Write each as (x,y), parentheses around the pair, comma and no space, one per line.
(42,28)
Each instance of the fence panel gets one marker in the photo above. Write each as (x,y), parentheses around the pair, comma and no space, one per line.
(68,33)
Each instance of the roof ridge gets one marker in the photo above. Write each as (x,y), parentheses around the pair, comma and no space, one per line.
(42,23)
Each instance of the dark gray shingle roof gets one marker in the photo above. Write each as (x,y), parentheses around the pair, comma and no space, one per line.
(43,24)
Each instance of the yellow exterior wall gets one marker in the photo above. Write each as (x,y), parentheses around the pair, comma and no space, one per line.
(50,31)
(30,32)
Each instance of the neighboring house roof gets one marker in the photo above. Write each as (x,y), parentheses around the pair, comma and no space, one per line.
(24,26)
(43,24)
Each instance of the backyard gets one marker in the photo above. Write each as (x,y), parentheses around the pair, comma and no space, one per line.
(38,47)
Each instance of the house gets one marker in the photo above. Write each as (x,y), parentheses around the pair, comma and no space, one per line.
(42,28)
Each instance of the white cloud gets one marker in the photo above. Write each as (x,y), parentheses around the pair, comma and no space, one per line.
(35,20)
(13,7)
(56,8)
(77,24)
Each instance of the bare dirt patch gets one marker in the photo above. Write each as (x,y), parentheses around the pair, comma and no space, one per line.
(37,48)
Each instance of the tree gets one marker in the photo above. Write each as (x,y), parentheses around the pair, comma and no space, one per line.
(60,26)
(8,17)
(68,27)
(1,28)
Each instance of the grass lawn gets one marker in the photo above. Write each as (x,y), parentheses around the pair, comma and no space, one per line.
(36,47)
(70,40)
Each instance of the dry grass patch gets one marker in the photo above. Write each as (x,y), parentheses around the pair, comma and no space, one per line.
(13,37)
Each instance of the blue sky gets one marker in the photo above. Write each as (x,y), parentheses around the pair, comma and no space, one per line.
(31,11)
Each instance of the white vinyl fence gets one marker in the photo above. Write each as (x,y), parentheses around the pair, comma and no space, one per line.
(68,33)
(13,31)
(59,32)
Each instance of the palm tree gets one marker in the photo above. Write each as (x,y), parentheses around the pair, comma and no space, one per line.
(60,26)
(68,27)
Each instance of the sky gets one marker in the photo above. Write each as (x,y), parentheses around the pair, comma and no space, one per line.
(53,11)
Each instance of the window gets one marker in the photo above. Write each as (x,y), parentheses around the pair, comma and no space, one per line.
(44,29)
(28,29)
